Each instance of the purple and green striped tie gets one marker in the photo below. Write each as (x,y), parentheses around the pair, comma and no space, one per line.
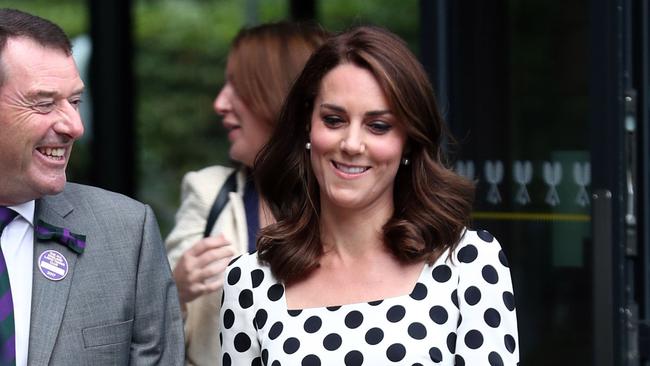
(7,331)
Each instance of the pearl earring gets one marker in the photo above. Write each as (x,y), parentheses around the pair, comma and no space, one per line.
(308,146)
(405,161)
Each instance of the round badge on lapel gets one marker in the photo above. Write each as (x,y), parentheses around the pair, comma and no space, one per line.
(53,265)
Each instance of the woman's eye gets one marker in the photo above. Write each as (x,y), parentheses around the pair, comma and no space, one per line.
(332,121)
(379,127)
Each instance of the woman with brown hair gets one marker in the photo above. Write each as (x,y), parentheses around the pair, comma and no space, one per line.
(221,211)
(370,260)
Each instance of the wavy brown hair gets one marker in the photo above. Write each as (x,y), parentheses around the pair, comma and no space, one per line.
(432,204)
(265,60)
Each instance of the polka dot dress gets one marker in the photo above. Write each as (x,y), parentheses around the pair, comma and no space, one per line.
(461,311)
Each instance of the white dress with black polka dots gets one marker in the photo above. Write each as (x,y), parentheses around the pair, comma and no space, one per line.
(460,312)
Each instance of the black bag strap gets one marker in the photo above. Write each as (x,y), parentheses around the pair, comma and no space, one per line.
(220,202)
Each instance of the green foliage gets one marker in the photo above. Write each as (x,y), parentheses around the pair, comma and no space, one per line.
(399,16)
(70,15)
(181,50)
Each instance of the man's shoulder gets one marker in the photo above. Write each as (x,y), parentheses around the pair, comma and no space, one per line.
(85,194)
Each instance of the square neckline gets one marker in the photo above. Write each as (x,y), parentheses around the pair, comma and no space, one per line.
(426,269)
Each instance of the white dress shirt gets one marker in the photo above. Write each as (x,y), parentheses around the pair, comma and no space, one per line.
(18,250)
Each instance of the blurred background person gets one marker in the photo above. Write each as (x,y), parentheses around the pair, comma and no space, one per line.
(370,260)
(262,64)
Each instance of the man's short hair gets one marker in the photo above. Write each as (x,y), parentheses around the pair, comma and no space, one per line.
(15,23)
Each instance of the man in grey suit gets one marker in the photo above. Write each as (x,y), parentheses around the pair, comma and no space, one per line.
(89,280)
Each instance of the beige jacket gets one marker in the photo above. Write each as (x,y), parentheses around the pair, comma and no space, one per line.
(198,192)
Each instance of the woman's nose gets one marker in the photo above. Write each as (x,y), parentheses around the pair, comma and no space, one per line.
(222,103)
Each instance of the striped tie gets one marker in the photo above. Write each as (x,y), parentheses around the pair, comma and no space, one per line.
(7,333)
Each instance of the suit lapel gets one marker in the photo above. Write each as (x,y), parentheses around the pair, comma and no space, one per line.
(49,297)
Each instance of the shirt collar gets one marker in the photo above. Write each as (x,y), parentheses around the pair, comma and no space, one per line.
(26,210)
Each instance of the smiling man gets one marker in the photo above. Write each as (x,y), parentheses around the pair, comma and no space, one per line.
(83,273)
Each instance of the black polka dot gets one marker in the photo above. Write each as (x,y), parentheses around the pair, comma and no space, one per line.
(438,314)
(275,292)
(260,318)
(435,354)
(311,360)
(490,274)
(395,313)
(228,318)
(472,295)
(503,259)
(276,330)
(485,236)
(257,361)
(332,342)
(473,339)
(510,343)
(396,352)
(313,324)
(454,298)
(294,312)
(246,299)
(417,331)
(257,276)
(495,359)
(226,360)
(333,308)
(459,360)
(375,303)
(441,273)
(291,345)
(353,358)
(235,259)
(460,320)
(276,363)
(451,342)
(419,292)
(467,254)
(234,276)
(492,317)
(265,356)
(221,339)
(374,336)
(242,342)
(353,319)
(509,300)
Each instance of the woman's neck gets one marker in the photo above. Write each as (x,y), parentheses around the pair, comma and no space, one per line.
(353,233)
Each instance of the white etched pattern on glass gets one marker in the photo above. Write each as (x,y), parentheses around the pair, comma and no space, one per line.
(552,178)
(582,177)
(494,176)
(466,169)
(522,172)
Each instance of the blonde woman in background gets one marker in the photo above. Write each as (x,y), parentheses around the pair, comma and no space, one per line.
(262,64)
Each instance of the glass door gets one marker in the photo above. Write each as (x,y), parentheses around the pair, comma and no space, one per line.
(535,94)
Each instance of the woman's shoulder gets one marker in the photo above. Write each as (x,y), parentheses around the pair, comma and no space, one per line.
(478,245)
(209,175)
(206,183)
(245,261)
(249,266)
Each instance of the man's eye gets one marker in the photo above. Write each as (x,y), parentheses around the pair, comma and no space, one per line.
(75,103)
(44,107)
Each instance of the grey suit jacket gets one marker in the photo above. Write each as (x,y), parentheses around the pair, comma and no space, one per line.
(118,304)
